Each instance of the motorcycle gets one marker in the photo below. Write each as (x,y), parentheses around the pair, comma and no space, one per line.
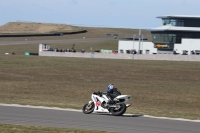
(99,104)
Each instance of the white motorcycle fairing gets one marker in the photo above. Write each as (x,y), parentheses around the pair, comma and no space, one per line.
(98,103)
(123,98)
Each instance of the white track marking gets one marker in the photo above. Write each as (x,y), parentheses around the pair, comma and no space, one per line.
(39,107)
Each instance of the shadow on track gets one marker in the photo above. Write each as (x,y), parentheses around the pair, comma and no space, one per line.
(125,115)
(132,115)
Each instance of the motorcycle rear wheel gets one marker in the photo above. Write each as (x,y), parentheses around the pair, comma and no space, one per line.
(87,109)
(118,111)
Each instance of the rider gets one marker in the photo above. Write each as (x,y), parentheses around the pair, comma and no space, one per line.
(112,93)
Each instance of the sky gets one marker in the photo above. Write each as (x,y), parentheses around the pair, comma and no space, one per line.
(96,13)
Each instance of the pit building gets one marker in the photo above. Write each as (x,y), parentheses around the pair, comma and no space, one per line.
(178,34)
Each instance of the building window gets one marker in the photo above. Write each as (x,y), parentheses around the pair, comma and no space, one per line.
(178,39)
(180,23)
(172,22)
(164,38)
(166,21)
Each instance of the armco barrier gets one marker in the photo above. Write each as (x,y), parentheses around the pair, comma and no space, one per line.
(45,34)
(168,57)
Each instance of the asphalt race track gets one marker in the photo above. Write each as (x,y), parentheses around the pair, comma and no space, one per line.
(55,117)
(54,41)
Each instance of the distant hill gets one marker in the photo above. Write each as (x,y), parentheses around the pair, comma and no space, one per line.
(31,28)
(92,32)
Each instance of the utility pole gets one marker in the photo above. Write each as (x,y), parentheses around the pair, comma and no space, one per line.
(139,39)
(134,36)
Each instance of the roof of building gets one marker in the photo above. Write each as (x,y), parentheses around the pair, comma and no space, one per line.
(180,16)
(176,28)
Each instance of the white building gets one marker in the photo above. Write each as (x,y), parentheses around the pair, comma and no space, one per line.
(144,47)
(179,33)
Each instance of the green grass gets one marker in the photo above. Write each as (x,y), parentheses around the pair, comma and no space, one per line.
(5,128)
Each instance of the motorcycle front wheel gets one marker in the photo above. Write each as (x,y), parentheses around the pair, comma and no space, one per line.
(87,109)
(118,111)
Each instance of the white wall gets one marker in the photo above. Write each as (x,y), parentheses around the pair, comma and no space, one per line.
(188,45)
(44,47)
(169,57)
(130,45)
(40,47)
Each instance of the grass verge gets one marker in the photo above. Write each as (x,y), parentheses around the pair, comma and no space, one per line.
(6,128)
